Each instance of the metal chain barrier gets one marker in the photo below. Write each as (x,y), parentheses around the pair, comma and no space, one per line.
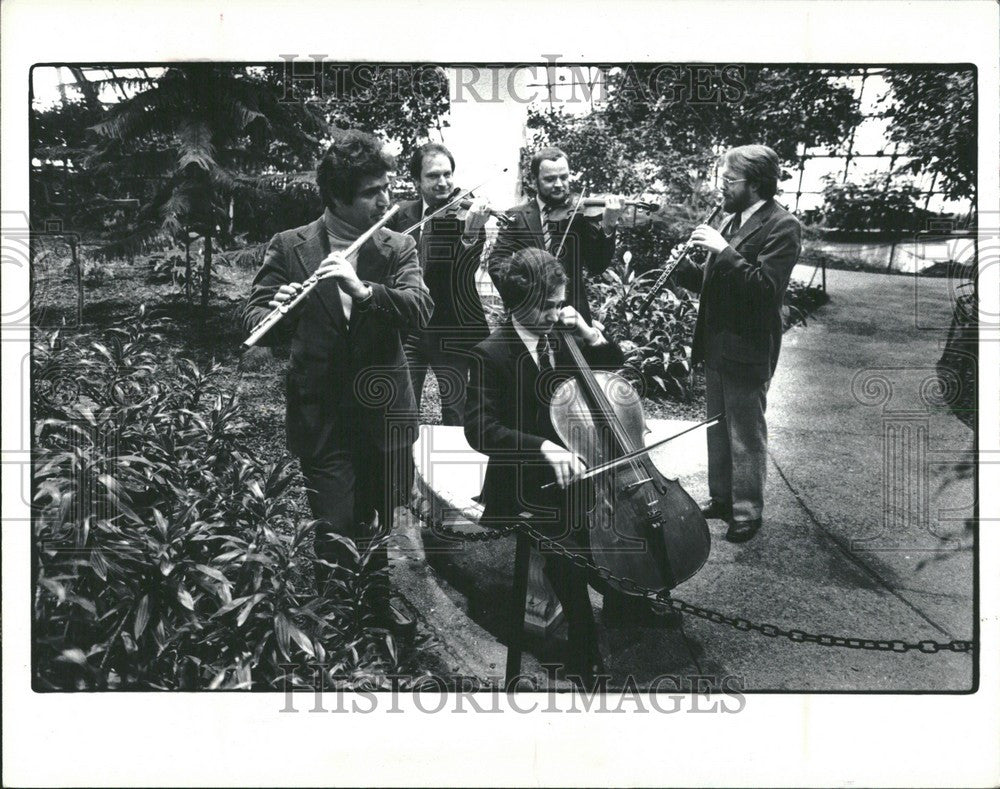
(738,622)
(439,528)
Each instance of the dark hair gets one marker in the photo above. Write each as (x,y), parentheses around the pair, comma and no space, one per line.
(759,165)
(354,155)
(527,278)
(548,154)
(427,149)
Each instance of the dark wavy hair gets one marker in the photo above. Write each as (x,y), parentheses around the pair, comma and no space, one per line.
(759,165)
(527,278)
(427,149)
(354,155)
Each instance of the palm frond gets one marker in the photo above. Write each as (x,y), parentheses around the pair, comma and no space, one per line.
(139,238)
(248,257)
(161,108)
(195,146)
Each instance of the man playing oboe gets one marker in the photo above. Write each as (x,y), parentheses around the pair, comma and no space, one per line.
(738,334)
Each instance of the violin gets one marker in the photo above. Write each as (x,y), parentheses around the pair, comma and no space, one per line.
(460,210)
(593,208)
(457,207)
(642,525)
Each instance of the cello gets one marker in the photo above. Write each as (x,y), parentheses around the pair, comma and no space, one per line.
(642,525)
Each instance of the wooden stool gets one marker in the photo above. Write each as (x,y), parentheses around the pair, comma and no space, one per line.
(448,473)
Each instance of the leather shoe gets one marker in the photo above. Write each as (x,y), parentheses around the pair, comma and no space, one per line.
(620,610)
(718,510)
(741,531)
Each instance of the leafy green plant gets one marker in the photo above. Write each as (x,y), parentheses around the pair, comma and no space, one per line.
(94,274)
(656,342)
(873,204)
(170,267)
(931,116)
(801,300)
(166,555)
(649,135)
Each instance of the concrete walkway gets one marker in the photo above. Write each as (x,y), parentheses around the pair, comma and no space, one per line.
(859,540)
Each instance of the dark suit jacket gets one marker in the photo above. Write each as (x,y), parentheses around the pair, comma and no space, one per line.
(507,420)
(449,270)
(742,291)
(586,248)
(338,371)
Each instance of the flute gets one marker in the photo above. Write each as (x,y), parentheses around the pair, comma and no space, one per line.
(278,313)
(661,281)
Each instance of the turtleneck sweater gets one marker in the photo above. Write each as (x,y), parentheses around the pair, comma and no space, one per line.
(341,235)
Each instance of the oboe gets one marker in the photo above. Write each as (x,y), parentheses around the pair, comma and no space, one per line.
(279,312)
(661,281)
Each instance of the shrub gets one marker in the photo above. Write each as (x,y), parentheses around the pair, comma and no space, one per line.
(871,205)
(94,274)
(170,267)
(166,555)
(656,343)
(801,300)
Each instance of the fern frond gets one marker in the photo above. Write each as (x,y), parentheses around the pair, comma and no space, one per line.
(248,257)
(136,240)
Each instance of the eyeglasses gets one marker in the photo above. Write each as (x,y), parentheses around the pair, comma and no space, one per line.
(729,181)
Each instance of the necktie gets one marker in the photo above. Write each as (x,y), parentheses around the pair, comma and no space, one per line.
(544,355)
(546,233)
(426,226)
(734,225)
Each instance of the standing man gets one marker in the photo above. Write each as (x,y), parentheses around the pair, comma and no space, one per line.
(738,333)
(351,415)
(449,250)
(513,373)
(588,245)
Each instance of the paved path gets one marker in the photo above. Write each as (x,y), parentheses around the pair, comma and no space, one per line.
(858,539)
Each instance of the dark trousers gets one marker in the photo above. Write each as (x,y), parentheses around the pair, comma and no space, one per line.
(432,349)
(737,447)
(566,526)
(350,481)
(570,583)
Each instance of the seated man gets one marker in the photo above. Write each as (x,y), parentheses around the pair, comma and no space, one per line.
(512,374)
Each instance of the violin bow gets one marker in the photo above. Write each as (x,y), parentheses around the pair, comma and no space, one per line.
(451,202)
(612,464)
(576,209)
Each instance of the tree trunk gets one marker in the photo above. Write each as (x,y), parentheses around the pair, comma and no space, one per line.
(187,265)
(206,274)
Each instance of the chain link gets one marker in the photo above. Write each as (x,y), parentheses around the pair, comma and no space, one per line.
(440,529)
(739,623)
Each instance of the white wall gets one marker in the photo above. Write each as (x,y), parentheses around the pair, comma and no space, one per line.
(485,136)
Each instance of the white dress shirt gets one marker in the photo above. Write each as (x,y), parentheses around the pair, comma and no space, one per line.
(531,341)
(749,212)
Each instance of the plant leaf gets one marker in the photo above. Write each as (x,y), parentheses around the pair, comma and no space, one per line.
(185,598)
(141,616)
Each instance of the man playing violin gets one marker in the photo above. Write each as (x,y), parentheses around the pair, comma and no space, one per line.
(738,333)
(548,222)
(351,415)
(512,375)
(449,249)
